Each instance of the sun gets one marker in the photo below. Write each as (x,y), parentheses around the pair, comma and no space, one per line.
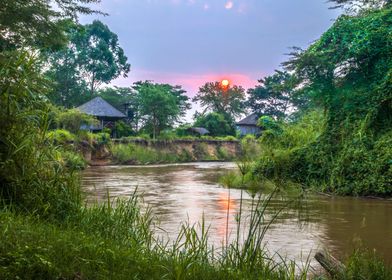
(225,83)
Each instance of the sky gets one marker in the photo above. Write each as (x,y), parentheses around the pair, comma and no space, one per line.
(190,42)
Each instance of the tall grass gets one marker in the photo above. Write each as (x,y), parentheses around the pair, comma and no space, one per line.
(135,154)
(33,176)
(116,240)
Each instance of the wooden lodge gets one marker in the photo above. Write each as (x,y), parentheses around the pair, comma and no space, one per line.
(103,111)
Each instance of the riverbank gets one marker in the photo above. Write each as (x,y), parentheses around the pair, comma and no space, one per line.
(144,152)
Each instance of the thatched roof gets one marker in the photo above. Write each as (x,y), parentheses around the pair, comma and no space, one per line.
(98,107)
(199,130)
(250,120)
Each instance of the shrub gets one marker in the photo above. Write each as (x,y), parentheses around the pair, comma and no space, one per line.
(123,129)
(32,177)
(61,136)
(72,120)
(216,124)
(73,161)
(102,138)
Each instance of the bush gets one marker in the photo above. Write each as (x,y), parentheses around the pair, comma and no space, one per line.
(61,136)
(73,161)
(216,124)
(72,120)
(123,129)
(102,138)
(33,178)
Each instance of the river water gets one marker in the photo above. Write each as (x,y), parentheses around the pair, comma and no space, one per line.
(180,193)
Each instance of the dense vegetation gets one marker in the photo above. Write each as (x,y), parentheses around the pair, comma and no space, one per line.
(346,75)
(341,136)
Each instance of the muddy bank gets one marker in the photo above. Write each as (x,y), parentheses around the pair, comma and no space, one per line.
(141,151)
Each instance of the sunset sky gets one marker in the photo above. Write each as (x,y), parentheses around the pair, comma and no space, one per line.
(190,42)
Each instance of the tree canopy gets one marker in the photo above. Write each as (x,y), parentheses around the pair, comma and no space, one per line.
(159,105)
(38,23)
(217,124)
(100,57)
(213,97)
(92,57)
(274,97)
(348,72)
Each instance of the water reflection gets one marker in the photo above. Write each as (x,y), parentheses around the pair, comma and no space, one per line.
(187,192)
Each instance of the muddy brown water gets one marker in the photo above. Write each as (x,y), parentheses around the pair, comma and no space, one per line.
(180,193)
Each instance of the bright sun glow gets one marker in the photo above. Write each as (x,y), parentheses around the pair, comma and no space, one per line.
(225,83)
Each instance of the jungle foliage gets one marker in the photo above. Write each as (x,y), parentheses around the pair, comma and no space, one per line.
(347,73)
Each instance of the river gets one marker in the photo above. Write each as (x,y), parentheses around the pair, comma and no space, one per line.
(185,192)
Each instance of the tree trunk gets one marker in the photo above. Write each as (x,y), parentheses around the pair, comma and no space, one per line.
(334,267)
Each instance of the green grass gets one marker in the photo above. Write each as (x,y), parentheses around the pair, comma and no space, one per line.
(135,154)
(131,153)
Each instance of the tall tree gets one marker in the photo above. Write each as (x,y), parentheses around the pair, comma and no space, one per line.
(160,105)
(69,89)
(38,23)
(224,100)
(100,57)
(355,6)
(92,56)
(274,96)
(117,96)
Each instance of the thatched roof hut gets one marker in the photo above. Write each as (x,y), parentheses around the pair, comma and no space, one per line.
(198,130)
(249,125)
(100,108)
(103,111)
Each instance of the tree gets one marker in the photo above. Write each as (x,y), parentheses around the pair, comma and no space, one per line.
(349,73)
(68,86)
(91,57)
(355,6)
(274,96)
(217,124)
(99,55)
(159,105)
(119,97)
(36,23)
(213,97)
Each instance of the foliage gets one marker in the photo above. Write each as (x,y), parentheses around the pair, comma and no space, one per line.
(73,161)
(269,125)
(115,240)
(32,177)
(68,88)
(217,124)
(117,96)
(102,138)
(38,23)
(135,154)
(250,147)
(280,144)
(365,264)
(123,129)
(99,55)
(61,136)
(160,105)
(92,57)
(228,101)
(72,120)
(275,96)
(357,6)
(347,72)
